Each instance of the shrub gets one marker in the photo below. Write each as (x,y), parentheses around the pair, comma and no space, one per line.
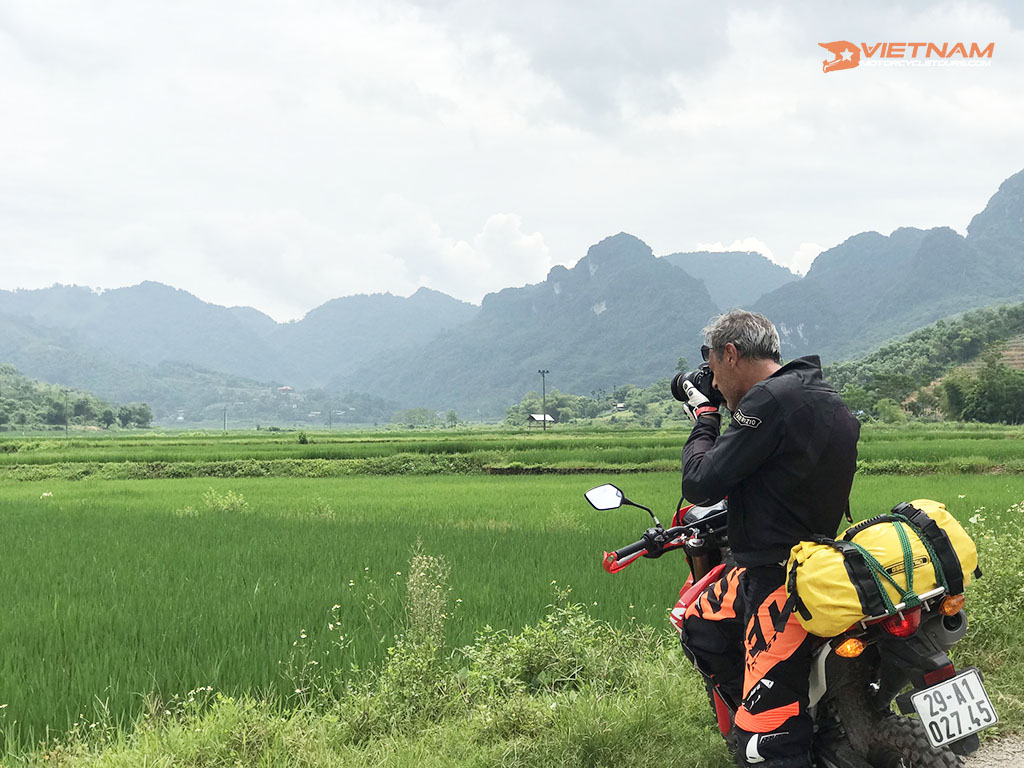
(224,503)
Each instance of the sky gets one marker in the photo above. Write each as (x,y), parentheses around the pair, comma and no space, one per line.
(279,155)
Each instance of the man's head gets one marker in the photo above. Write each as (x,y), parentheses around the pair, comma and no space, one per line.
(742,348)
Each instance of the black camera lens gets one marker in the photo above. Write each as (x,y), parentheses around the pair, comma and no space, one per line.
(701,380)
(677,387)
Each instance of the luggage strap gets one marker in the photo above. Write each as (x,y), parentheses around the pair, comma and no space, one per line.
(907,596)
(866,573)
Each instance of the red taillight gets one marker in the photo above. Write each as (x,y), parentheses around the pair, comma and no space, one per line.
(938,675)
(903,625)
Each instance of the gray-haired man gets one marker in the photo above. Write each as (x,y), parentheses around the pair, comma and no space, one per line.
(786,462)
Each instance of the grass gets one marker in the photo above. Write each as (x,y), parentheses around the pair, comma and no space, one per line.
(162,586)
(883,450)
(125,595)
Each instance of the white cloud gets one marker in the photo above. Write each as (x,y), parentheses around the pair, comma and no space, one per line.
(252,153)
(498,256)
(746,244)
(801,259)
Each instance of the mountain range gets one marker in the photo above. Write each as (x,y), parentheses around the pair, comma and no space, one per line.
(619,315)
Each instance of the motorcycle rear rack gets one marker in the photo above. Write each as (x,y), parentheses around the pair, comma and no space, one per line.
(900,607)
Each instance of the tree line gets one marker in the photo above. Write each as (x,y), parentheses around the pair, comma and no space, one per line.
(898,380)
(29,404)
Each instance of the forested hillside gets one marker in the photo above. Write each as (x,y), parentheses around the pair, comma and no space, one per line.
(28,404)
(904,373)
(873,288)
(733,278)
(620,316)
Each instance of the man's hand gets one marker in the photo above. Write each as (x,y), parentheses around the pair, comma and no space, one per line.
(697,403)
(698,396)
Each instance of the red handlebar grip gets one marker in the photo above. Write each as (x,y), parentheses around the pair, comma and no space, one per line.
(613,564)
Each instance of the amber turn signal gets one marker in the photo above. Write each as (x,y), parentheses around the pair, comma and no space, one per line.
(952,605)
(851,648)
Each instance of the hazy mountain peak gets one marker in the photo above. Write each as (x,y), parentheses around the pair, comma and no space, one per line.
(622,248)
(424,295)
(732,278)
(1004,214)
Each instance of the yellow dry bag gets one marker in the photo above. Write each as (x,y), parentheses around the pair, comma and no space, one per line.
(878,564)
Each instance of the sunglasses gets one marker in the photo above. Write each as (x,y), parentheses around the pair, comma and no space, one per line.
(704,351)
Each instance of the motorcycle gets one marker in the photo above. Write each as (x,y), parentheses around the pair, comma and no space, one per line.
(858,677)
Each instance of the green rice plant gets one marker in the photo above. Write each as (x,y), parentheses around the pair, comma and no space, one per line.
(116,592)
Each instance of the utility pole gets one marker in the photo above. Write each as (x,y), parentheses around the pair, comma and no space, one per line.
(65,413)
(225,418)
(544,398)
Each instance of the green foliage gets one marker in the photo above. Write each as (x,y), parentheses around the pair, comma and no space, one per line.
(900,367)
(568,690)
(995,632)
(889,411)
(996,396)
(227,580)
(28,404)
(416,417)
(228,502)
(642,406)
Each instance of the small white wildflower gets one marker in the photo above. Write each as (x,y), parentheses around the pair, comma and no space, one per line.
(335,607)
(458,599)
(298,690)
(398,573)
(46,495)
(552,705)
(330,626)
(962,496)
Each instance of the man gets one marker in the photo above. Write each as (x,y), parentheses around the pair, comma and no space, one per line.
(786,462)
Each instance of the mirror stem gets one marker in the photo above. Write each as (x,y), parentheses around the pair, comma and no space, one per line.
(641,506)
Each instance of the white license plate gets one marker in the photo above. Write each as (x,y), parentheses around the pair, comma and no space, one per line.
(954,708)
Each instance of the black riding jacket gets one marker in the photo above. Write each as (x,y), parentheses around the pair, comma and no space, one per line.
(786,462)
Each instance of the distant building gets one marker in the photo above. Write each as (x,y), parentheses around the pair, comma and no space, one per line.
(540,418)
(285,390)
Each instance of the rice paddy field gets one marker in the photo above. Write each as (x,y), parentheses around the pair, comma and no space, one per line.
(121,592)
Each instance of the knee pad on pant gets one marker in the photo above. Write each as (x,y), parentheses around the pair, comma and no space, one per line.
(779,749)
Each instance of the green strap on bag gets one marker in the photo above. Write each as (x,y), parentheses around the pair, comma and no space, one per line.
(878,572)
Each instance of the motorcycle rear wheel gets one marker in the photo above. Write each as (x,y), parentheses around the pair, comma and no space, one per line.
(900,742)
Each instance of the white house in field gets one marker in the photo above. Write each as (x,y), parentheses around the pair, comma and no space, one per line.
(541,418)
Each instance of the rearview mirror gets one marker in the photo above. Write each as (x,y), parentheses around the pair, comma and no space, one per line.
(605,497)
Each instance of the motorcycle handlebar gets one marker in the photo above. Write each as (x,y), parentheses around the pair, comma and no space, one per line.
(615,561)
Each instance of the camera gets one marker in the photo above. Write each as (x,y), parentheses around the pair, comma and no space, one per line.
(701,379)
